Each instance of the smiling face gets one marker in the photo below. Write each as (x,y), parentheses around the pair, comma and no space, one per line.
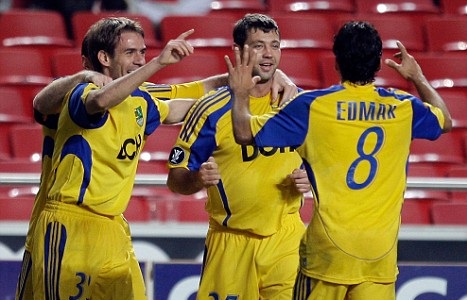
(267,47)
(129,55)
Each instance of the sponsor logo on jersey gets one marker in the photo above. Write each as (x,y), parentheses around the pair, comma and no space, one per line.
(139,116)
(251,152)
(177,155)
(130,148)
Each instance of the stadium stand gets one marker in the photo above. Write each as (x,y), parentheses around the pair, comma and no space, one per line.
(329,8)
(451,213)
(15,208)
(66,62)
(454,7)
(26,141)
(302,67)
(237,8)
(417,9)
(43,30)
(301,31)
(392,28)
(458,172)
(82,20)
(201,64)
(386,77)
(447,35)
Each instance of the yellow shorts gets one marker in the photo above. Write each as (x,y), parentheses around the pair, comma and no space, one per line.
(307,288)
(245,266)
(78,254)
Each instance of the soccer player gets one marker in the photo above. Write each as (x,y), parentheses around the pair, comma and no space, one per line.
(80,248)
(354,138)
(47,105)
(254,193)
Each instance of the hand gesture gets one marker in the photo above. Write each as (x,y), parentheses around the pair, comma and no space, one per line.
(300,178)
(282,84)
(176,49)
(208,173)
(241,80)
(408,66)
(97,78)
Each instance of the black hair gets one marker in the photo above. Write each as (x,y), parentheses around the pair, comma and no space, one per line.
(252,21)
(358,50)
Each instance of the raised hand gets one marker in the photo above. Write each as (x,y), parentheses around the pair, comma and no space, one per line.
(408,66)
(176,49)
(241,80)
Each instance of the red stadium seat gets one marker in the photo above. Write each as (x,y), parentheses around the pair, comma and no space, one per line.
(453,213)
(20,166)
(26,142)
(192,211)
(306,31)
(199,65)
(302,68)
(213,31)
(137,210)
(43,30)
(456,102)
(25,69)
(445,71)
(16,208)
(454,7)
(417,205)
(426,170)
(330,8)
(386,77)
(448,34)
(408,31)
(66,62)
(13,107)
(445,152)
(417,9)
(237,8)
(82,20)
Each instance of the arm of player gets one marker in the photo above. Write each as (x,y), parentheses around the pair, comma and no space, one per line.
(281,84)
(410,70)
(110,95)
(241,83)
(188,182)
(49,100)
(214,82)
(300,178)
(178,108)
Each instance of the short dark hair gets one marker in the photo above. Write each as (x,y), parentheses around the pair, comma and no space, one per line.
(358,50)
(252,21)
(104,35)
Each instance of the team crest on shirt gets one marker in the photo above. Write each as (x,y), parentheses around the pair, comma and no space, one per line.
(177,155)
(139,116)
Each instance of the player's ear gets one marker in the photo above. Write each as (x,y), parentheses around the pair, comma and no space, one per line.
(103,58)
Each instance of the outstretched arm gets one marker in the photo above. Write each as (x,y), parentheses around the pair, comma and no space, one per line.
(49,100)
(178,108)
(410,70)
(110,95)
(188,182)
(241,82)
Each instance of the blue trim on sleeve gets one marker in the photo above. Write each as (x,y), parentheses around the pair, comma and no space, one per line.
(78,113)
